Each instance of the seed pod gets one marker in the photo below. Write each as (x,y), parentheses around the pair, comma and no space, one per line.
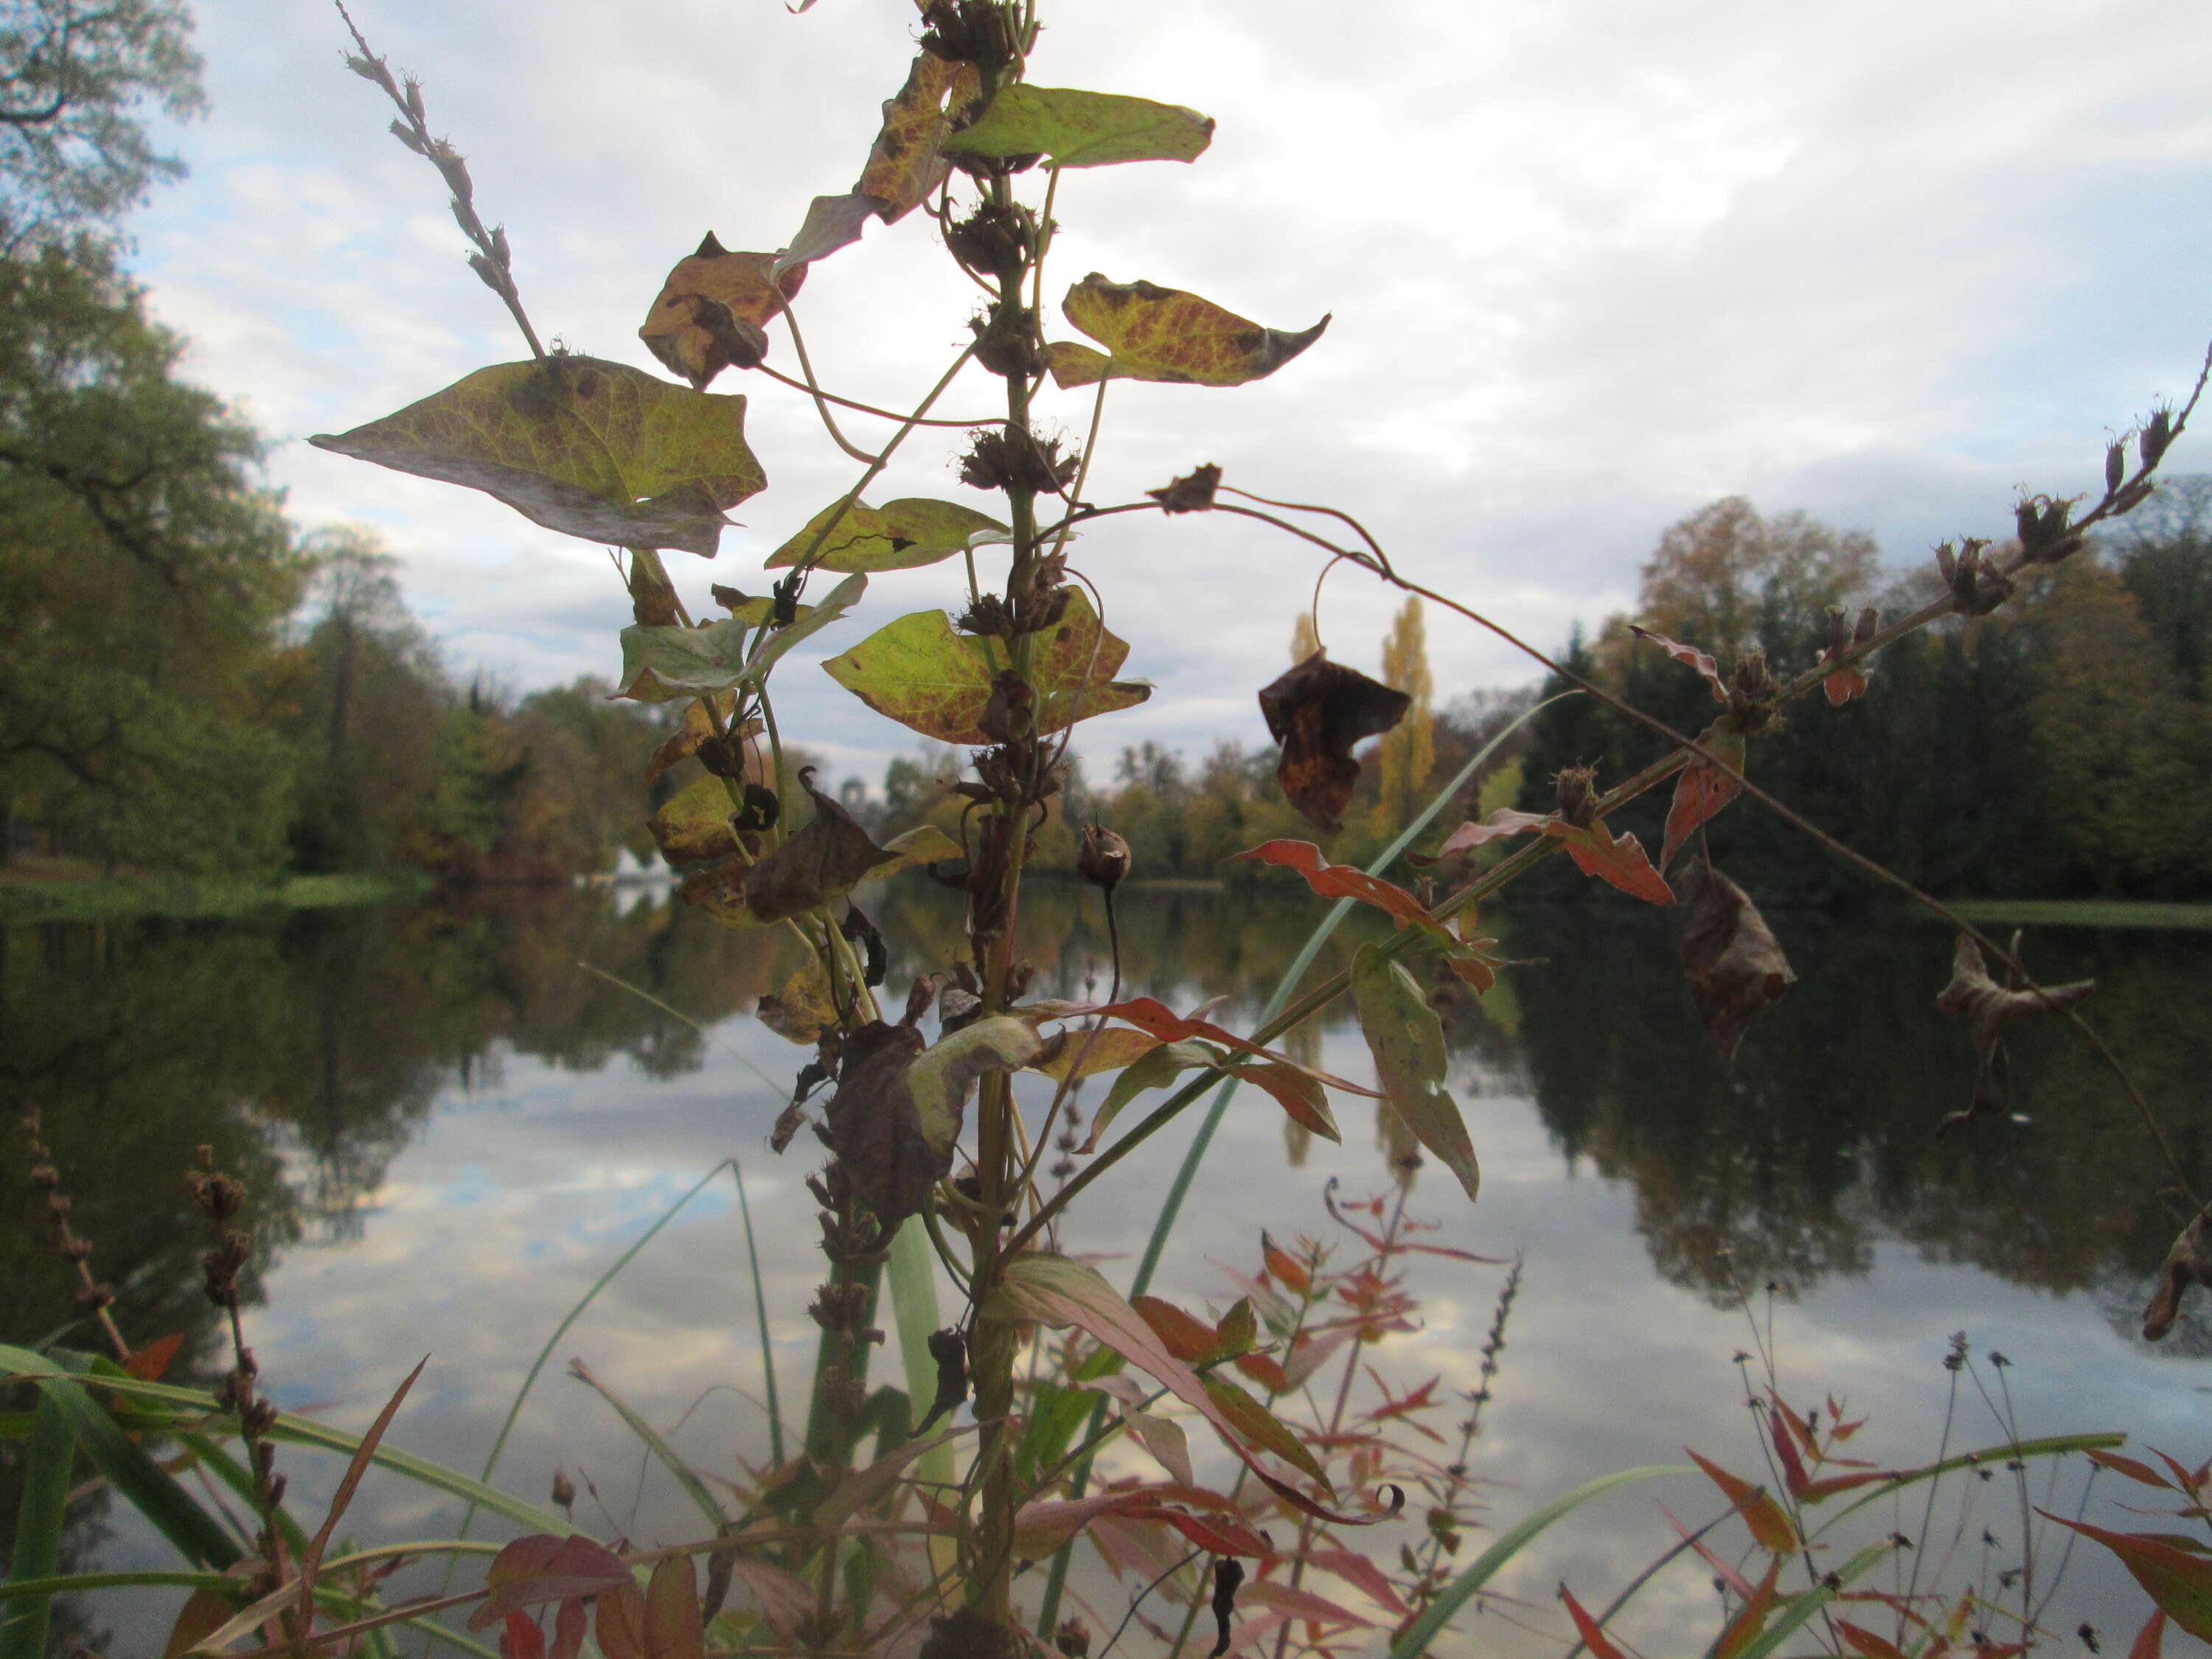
(2158,432)
(1577,794)
(1103,858)
(2116,466)
(405,135)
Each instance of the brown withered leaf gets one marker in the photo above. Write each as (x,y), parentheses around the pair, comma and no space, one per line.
(804,1008)
(905,167)
(712,314)
(1731,958)
(718,889)
(696,729)
(825,860)
(1986,1005)
(1317,711)
(1191,493)
(874,1129)
(2189,1262)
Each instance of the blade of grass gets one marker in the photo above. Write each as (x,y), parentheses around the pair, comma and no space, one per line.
(1996,1456)
(530,1378)
(913,1273)
(40,1514)
(1805,1606)
(1455,1594)
(1172,1206)
(72,1583)
(760,1319)
(145,1484)
(655,1443)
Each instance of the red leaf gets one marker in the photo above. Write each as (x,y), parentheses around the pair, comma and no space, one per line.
(1597,852)
(1298,1092)
(1702,790)
(1505,822)
(1186,1335)
(1866,1642)
(673,1625)
(1818,1490)
(1264,1371)
(2142,1472)
(1686,654)
(1785,1447)
(1729,1576)
(1215,1534)
(622,1623)
(542,1567)
(2150,1640)
(568,1627)
(1593,1634)
(1843,685)
(1768,1524)
(1300,1604)
(1747,1624)
(520,1638)
(151,1362)
(1286,1267)
(1361,1574)
(1343,881)
(2178,1582)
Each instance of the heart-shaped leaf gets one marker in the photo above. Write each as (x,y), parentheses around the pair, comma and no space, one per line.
(712,312)
(1154,333)
(596,450)
(1083,129)
(925,676)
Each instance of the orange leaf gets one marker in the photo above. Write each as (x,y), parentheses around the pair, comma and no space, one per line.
(1689,654)
(1186,1335)
(1746,1625)
(1768,1524)
(1597,852)
(1588,1628)
(1149,1014)
(151,1362)
(1843,685)
(1287,1268)
(1343,881)
(673,1626)
(1702,790)
(2150,1640)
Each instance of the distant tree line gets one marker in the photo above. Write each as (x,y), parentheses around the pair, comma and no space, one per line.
(2061,746)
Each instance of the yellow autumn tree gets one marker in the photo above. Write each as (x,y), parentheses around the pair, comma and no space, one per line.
(1303,641)
(1409,749)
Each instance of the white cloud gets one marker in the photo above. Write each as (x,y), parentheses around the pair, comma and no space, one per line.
(1590,266)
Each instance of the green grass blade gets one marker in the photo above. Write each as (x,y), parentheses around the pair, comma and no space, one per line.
(530,1378)
(39,1516)
(71,1583)
(760,1318)
(143,1484)
(1172,1206)
(235,1476)
(2050,1446)
(1803,1606)
(655,1443)
(1455,1594)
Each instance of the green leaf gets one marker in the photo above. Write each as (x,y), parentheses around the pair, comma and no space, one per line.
(660,663)
(927,678)
(40,1515)
(1083,129)
(943,1074)
(142,1483)
(1158,333)
(593,449)
(1154,1069)
(2179,1581)
(1407,1041)
(1806,1603)
(901,535)
(694,823)
(1456,1594)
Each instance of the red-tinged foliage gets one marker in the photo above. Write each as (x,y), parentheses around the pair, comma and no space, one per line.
(1148,1014)
(1727,1573)
(569,1625)
(150,1363)
(1289,1270)
(673,1626)
(1844,684)
(1293,1602)
(1866,1642)
(1768,1524)
(1344,881)
(1401,1408)
(1620,860)
(1593,1635)
(2192,1479)
(1686,654)
(1361,1574)
(2177,1580)
(1745,1627)
(2150,1640)
(1785,1447)
(520,1638)
(1702,790)
(1185,1336)
(542,1567)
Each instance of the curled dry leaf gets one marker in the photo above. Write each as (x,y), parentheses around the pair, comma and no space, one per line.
(1154,333)
(593,449)
(1703,789)
(2189,1262)
(1690,654)
(1986,1005)
(1344,881)
(1596,851)
(874,1129)
(1317,711)
(1731,958)
(825,860)
(712,312)
(1191,493)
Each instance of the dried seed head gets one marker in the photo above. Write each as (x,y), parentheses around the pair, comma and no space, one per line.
(1577,794)
(2116,466)
(995,239)
(1007,458)
(2158,432)
(407,136)
(564,1490)
(1103,858)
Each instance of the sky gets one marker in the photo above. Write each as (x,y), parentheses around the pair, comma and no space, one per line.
(1590,267)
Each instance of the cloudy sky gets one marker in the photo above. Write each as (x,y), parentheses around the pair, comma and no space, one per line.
(1591,265)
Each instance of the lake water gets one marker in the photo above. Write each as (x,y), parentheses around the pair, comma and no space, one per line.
(450,1130)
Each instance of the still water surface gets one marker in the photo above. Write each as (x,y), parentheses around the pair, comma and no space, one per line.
(451,1131)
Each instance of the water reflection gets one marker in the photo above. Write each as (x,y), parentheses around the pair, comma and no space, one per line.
(318,1054)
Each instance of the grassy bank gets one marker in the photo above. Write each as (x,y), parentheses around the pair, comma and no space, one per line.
(33,899)
(2084,913)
